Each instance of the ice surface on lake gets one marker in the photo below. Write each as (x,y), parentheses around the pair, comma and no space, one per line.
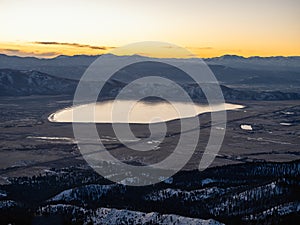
(139,112)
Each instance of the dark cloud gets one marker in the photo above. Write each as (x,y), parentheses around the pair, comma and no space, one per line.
(10,50)
(26,53)
(46,54)
(73,45)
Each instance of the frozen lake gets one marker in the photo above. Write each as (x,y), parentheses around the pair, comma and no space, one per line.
(129,111)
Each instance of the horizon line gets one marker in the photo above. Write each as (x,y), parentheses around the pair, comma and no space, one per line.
(95,55)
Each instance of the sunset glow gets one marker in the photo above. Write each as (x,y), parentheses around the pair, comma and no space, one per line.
(206,28)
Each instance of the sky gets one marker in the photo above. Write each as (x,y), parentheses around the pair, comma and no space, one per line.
(207,28)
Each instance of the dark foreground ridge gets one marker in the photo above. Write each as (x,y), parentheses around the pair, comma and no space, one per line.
(250,193)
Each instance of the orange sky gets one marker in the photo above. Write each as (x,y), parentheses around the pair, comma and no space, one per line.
(207,28)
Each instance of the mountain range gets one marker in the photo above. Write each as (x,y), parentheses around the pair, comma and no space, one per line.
(254,78)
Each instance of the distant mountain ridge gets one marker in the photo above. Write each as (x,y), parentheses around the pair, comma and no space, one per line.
(253,73)
(273,63)
(74,66)
(71,67)
(30,82)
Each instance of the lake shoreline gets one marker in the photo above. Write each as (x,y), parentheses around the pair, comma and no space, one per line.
(139,112)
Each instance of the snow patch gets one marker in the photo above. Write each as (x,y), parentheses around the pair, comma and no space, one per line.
(246,127)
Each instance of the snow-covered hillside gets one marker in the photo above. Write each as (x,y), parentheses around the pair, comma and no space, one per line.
(15,83)
(103,216)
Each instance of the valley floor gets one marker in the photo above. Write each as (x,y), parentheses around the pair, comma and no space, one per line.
(254,178)
(30,144)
